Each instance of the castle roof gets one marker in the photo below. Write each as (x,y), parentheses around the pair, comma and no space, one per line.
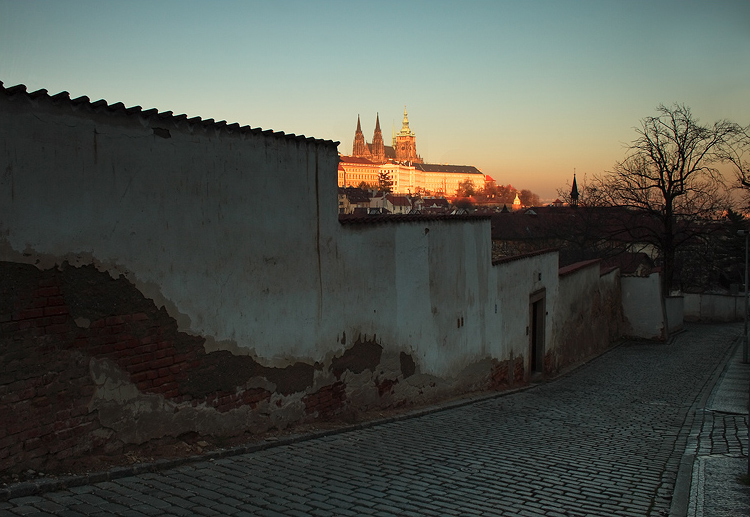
(456,169)
(355,159)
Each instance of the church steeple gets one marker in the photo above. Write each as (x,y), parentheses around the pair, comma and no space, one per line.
(574,192)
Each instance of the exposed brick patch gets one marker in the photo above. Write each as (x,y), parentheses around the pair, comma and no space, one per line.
(499,375)
(327,401)
(53,322)
(518,370)
(385,386)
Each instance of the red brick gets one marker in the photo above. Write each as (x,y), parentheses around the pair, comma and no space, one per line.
(135,378)
(144,386)
(28,314)
(122,345)
(55,301)
(97,324)
(114,320)
(10,327)
(56,310)
(57,329)
(48,282)
(46,291)
(139,368)
(119,329)
(164,361)
(41,302)
(140,316)
(162,380)
(171,394)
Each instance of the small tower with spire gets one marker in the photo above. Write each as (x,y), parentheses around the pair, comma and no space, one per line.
(574,192)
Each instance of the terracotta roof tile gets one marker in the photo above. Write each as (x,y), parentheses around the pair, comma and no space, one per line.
(119,108)
(13,90)
(62,96)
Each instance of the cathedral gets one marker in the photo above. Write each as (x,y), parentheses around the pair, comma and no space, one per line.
(403,146)
(400,161)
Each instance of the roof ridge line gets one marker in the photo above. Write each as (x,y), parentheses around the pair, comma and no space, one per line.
(118,108)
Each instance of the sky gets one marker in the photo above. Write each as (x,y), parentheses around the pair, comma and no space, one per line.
(527,91)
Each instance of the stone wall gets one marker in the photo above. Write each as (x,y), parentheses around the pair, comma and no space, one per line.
(589,317)
(173,277)
(643,307)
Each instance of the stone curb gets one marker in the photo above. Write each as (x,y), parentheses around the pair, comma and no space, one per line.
(44,485)
(683,483)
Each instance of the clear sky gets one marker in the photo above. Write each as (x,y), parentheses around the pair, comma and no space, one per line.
(527,90)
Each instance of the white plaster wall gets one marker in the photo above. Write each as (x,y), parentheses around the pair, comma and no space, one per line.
(237,235)
(412,284)
(223,229)
(642,308)
(514,282)
(576,291)
(675,306)
(714,307)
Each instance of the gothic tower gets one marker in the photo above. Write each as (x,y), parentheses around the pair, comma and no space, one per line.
(378,147)
(406,145)
(359,148)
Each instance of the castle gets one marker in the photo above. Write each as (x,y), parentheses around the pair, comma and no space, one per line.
(403,148)
(400,161)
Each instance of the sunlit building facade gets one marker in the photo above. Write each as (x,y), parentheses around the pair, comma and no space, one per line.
(406,169)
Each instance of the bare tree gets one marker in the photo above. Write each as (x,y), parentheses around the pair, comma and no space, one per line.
(670,181)
(737,156)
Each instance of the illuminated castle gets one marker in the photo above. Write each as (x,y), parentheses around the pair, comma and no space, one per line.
(407,170)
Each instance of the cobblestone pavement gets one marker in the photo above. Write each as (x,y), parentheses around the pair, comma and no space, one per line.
(606,440)
(719,444)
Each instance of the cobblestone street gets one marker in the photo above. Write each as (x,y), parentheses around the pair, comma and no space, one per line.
(605,440)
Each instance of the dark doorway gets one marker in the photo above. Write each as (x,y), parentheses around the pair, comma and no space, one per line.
(537,316)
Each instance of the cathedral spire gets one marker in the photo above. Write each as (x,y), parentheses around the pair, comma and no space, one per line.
(378,147)
(359,148)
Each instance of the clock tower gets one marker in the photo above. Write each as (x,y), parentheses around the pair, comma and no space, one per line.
(406,145)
